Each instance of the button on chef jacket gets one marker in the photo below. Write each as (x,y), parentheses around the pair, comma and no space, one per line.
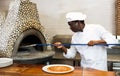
(91,56)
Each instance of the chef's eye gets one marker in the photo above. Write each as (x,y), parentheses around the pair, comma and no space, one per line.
(72,22)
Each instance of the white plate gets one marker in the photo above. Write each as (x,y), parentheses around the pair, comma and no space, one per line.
(4,62)
(45,68)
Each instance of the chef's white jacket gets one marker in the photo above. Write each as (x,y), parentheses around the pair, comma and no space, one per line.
(91,56)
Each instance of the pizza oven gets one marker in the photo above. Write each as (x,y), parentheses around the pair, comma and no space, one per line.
(20,31)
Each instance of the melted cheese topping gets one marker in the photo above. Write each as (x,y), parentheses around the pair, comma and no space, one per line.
(58,68)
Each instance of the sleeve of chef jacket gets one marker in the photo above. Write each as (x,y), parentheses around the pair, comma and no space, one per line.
(107,36)
(70,52)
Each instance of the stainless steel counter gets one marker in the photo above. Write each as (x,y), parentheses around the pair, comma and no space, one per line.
(110,57)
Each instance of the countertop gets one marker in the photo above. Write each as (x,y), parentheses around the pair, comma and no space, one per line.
(36,70)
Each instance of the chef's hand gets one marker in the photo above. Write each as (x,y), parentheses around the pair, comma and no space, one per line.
(58,44)
(92,42)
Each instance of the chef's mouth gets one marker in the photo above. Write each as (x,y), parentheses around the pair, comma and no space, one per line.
(77,31)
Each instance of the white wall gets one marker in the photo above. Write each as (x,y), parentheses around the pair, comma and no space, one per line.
(52,13)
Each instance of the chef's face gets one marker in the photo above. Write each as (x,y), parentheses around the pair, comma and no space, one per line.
(76,26)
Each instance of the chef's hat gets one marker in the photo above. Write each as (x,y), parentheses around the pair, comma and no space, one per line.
(72,16)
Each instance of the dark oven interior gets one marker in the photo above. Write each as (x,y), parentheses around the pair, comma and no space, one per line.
(27,42)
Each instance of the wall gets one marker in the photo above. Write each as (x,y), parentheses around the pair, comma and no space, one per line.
(52,13)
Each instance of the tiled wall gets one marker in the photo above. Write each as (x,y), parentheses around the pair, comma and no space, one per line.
(2,18)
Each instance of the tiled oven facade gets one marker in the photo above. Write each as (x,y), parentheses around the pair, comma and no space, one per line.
(22,22)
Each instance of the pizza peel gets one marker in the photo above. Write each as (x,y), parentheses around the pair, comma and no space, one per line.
(70,45)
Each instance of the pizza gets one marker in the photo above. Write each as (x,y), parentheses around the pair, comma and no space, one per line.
(59,68)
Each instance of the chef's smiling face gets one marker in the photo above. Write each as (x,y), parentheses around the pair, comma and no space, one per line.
(76,26)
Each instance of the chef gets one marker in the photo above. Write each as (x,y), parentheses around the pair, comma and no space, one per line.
(92,55)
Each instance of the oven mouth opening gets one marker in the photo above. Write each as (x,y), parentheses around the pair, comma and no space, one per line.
(26,48)
(31,40)
(26,39)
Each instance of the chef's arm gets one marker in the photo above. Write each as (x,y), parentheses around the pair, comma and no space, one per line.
(93,42)
(60,46)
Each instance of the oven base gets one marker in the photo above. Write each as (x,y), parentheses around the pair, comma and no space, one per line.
(35,61)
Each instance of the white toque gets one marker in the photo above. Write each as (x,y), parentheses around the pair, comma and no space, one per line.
(72,16)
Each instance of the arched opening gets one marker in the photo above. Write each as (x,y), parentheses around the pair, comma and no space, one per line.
(25,43)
